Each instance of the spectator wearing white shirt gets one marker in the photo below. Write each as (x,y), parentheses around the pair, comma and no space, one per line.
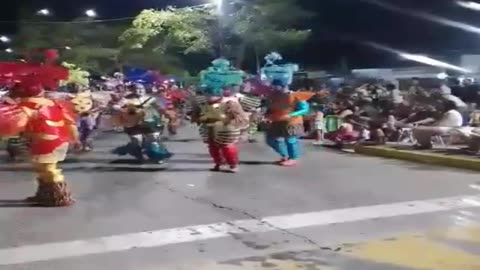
(395,94)
(446,93)
(451,118)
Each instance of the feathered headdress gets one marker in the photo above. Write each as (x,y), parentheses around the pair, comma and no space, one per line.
(220,76)
(277,74)
(29,77)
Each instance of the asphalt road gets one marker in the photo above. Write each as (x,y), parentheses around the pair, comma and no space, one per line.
(333,211)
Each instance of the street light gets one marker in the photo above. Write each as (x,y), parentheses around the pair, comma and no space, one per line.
(91,13)
(8,50)
(68,48)
(469,4)
(4,39)
(43,12)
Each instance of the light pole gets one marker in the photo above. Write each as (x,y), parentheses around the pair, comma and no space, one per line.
(219,5)
(220,12)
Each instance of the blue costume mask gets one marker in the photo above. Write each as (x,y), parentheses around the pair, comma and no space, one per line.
(220,76)
(280,76)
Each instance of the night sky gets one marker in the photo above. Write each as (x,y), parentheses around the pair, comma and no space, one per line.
(335,28)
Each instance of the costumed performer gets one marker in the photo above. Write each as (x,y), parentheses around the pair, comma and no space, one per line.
(15,145)
(49,126)
(85,108)
(141,121)
(221,119)
(285,110)
(252,105)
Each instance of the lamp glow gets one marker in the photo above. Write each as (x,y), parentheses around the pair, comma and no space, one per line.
(91,13)
(442,76)
(469,4)
(8,50)
(44,12)
(219,5)
(4,39)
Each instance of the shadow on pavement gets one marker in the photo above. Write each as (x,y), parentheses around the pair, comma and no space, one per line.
(17,204)
(256,163)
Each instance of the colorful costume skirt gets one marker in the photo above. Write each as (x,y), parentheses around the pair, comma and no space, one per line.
(284,129)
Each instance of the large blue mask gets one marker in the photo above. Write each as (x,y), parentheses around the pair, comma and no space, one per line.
(278,74)
(220,76)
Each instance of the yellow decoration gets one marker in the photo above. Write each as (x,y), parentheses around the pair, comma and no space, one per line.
(76,75)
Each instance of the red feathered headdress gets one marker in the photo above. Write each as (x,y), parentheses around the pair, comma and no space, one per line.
(34,75)
(28,86)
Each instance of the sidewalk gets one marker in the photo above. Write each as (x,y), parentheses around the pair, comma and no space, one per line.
(448,157)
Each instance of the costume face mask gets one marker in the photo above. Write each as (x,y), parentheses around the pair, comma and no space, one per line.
(278,75)
(140,90)
(83,102)
(220,76)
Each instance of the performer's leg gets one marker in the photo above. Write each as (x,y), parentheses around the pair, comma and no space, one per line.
(293,151)
(216,154)
(252,130)
(172,123)
(278,144)
(156,151)
(52,188)
(136,146)
(230,153)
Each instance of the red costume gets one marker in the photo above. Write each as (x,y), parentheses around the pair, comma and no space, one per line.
(47,124)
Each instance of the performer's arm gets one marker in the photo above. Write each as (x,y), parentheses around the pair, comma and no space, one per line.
(302,108)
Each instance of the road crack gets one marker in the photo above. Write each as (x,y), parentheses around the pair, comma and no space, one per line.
(251,216)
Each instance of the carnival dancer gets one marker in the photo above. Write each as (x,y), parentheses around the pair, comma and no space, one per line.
(141,121)
(84,107)
(252,105)
(285,110)
(49,126)
(14,145)
(169,110)
(221,119)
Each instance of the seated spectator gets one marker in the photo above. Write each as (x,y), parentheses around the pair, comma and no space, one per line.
(446,94)
(451,118)
(376,134)
(346,133)
(396,96)
(345,108)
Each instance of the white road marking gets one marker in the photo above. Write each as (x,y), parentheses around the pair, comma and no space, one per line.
(116,243)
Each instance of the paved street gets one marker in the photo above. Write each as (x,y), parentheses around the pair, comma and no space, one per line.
(334,211)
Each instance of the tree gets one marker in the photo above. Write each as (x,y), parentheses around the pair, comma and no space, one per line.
(261,24)
(90,46)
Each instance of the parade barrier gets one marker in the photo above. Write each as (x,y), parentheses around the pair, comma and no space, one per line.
(427,157)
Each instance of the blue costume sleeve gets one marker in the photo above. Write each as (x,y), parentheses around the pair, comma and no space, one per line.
(302,108)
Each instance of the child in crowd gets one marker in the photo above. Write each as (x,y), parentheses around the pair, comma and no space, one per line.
(86,127)
(16,147)
(319,126)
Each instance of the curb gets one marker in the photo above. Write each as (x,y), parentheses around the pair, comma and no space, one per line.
(414,156)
